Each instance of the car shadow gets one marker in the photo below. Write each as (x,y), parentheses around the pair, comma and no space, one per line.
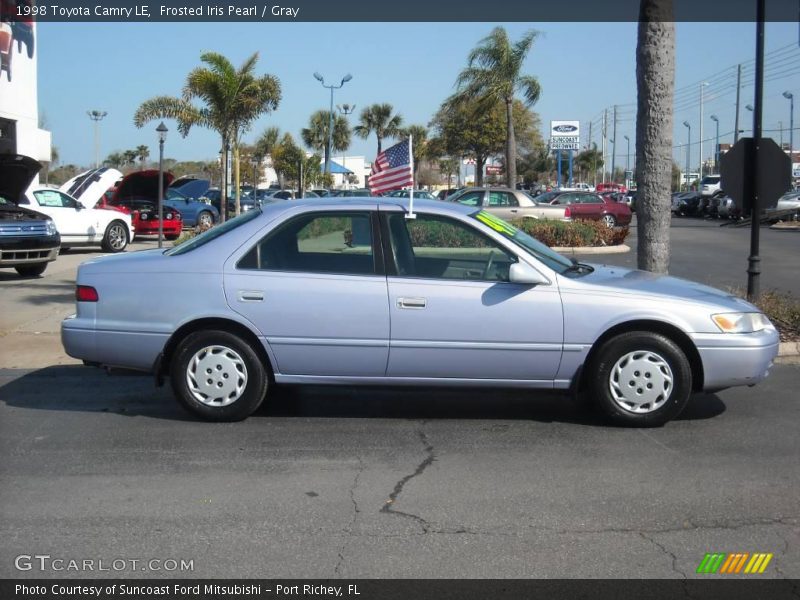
(84,389)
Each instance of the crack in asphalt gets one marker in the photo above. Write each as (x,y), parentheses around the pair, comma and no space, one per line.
(388,506)
(356,510)
(692,526)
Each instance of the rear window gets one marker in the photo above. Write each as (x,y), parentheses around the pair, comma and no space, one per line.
(709,179)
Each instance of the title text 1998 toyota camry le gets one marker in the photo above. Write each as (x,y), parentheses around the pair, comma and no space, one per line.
(351,291)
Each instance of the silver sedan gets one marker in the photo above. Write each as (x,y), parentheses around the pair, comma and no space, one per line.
(508,204)
(359,291)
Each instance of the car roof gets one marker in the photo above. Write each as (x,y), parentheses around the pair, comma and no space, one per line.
(360,202)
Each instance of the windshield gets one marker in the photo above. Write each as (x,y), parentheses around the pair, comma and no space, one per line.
(172,194)
(549,257)
(212,233)
(546,198)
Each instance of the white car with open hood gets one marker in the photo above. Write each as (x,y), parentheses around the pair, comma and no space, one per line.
(72,209)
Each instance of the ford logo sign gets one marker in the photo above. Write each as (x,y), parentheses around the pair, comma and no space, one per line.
(565,128)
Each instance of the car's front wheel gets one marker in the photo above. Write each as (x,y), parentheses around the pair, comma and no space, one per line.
(640,379)
(31,270)
(116,237)
(217,376)
(609,220)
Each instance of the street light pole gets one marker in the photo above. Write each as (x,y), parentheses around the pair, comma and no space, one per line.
(331,87)
(789,96)
(702,99)
(162,136)
(96,116)
(716,153)
(627,159)
(688,151)
(346,110)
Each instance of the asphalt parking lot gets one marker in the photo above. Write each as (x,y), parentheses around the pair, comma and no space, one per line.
(325,483)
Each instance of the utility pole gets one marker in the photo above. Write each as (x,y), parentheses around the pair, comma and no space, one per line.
(614,143)
(589,147)
(738,91)
(605,135)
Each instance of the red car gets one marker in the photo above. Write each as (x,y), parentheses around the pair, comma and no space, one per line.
(592,207)
(610,187)
(137,194)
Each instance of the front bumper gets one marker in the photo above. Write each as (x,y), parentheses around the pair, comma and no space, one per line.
(150,227)
(28,250)
(736,359)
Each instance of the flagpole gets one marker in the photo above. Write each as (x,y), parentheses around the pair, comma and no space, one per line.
(410,214)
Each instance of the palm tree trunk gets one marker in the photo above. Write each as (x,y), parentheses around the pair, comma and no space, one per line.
(379,145)
(511,146)
(223,185)
(237,172)
(655,80)
(480,161)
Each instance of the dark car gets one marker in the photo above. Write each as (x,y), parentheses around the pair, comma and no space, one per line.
(187,195)
(687,204)
(28,239)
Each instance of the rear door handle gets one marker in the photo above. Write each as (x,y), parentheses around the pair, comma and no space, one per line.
(251,296)
(412,303)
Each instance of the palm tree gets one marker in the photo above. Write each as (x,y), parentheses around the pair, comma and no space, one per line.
(419,143)
(142,153)
(129,157)
(315,136)
(493,74)
(231,101)
(115,160)
(378,119)
(655,82)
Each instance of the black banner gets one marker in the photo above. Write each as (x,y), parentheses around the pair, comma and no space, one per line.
(735,588)
(370,11)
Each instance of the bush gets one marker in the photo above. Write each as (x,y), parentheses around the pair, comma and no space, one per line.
(782,309)
(572,233)
(190,233)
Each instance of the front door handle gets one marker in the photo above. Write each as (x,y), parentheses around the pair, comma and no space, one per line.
(514,210)
(412,303)
(251,296)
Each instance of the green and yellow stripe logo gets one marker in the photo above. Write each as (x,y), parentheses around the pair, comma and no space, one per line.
(735,563)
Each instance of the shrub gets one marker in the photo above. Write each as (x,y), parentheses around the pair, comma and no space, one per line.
(572,233)
(190,233)
(782,309)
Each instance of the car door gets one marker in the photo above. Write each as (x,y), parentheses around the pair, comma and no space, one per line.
(74,222)
(591,206)
(503,204)
(315,288)
(454,313)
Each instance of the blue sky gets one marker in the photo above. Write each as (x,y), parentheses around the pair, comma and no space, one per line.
(582,67)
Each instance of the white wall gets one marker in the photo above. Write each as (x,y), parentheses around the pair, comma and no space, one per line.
(19,101)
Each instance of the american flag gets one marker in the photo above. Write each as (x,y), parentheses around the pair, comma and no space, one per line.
(392,169)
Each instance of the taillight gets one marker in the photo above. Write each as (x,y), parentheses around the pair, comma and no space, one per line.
(86,293)
(567,213)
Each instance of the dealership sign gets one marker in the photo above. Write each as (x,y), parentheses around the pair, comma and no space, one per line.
(565,135)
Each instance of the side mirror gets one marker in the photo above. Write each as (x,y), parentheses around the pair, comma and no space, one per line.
(523,273)
(79,206)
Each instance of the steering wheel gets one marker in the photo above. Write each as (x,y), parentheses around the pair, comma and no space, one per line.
(489,264)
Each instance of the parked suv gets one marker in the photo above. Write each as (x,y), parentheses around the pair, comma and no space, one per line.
(710,185)
(28,239)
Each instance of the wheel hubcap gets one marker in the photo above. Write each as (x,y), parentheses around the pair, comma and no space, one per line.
(216,376)
(608,220)
(205,219)
(116,237)
(641,382)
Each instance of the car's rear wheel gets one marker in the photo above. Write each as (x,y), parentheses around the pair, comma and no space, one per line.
(609,220)
(31,270)
(171,236)
(205,219)
(640,379)
(116,237)
(217,376)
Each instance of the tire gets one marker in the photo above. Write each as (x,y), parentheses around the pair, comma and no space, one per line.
(608,220)
(116,237)
(31,270)
(205,219)
(171,237)
(64,250)
(240,376)
(630,369)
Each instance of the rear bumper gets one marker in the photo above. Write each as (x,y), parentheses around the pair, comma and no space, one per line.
(736,359)
(130,350)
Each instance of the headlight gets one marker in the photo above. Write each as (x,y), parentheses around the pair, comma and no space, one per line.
(51,227)
(741,322)
(143,216)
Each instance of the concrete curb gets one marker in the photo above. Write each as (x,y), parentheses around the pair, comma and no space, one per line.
(621,249)
(789,349)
